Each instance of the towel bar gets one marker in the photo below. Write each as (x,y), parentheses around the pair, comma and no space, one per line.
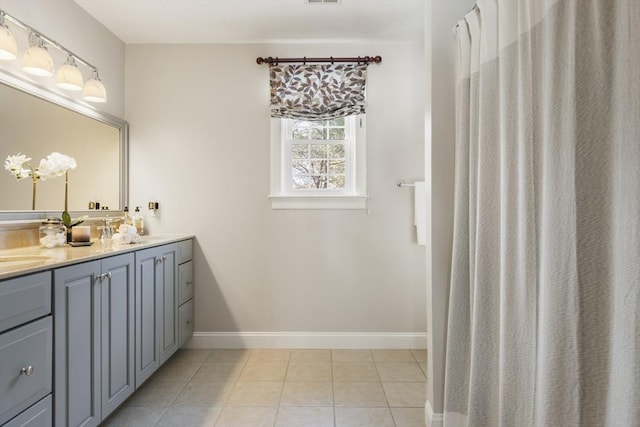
(401,183)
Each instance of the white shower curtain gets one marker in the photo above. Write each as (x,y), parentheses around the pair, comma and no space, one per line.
(544,310)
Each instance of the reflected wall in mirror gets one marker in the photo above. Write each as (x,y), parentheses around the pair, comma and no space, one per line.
(35,127)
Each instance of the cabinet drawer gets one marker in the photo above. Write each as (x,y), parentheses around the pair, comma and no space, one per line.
(25,367)
(39,415)
(185,282)
(24,299)
(185,319)
(185,251)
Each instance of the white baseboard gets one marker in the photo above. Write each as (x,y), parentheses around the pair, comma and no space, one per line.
(355,340)
(432,419)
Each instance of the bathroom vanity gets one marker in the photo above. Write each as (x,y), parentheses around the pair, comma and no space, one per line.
(82,328)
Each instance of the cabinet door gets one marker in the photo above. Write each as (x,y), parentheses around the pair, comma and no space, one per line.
(169,311)
(77,345)
(118,330)
(148,306)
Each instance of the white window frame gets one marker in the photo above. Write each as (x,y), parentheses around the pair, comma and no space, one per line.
(283,196)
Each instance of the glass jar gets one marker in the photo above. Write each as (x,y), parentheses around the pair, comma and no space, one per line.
(53,233)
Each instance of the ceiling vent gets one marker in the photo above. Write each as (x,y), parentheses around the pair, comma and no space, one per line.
(323,1)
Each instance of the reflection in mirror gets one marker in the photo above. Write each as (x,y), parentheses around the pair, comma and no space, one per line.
(36,127)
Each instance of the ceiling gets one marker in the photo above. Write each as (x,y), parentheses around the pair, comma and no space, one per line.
(257,21)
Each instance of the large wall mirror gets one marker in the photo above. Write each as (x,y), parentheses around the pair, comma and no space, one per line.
(36,122)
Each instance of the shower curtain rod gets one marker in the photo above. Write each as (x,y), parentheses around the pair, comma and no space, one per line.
(360,59)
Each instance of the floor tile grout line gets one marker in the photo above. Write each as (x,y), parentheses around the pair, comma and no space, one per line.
(161,415)
(375,363)
(286,372)
(333,392)
(173,400)
(380,382)
(235,382)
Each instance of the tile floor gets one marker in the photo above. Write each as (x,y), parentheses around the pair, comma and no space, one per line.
(297,388)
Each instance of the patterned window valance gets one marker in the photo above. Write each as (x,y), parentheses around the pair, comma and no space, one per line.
(317,92)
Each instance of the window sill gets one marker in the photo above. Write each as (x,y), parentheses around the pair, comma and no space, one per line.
(318,202)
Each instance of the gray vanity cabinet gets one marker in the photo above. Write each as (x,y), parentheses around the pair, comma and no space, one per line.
(156,309)
(185,291)
(94,339)
(91,332)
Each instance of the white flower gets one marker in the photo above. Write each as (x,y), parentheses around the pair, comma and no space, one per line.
(14,164)
(23,173)
(55,164)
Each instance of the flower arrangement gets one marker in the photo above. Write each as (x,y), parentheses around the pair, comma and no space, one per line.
(54,165)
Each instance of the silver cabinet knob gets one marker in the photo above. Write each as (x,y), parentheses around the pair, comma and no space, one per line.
(27,371)
(188,322)
(105,276)
(189,283)
(158,260)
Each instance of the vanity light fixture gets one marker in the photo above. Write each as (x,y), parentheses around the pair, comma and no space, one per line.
(38,61)
(8,45)
(94,90)
(69,76)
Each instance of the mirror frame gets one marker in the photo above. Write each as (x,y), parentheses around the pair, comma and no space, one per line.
(17,82)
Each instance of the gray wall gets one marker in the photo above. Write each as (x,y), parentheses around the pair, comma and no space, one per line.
(200,147)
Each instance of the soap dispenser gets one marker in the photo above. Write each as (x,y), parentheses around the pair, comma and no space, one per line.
(138,221)
(127,218)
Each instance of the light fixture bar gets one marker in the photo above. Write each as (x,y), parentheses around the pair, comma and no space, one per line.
(38,61)
(46,39)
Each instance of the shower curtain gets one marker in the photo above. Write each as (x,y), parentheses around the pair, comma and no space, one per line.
(544,310)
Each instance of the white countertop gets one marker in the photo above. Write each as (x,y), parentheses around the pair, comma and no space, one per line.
(16,262)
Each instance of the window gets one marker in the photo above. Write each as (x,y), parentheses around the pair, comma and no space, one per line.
(318,164)
(318,155)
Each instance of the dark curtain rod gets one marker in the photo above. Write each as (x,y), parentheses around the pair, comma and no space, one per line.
(360,59)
